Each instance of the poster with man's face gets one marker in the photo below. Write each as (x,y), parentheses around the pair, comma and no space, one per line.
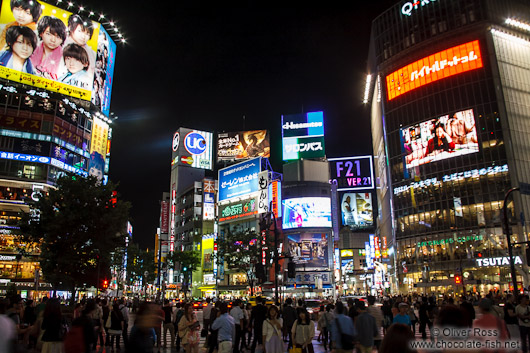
(309,250)
(356,210)
(44,46)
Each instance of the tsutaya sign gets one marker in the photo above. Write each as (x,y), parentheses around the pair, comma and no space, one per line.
(410,6)
(498,261)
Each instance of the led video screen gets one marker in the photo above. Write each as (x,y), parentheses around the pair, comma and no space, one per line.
(436,139)
(356,209)
(304,212)
(47,47)
(309,249)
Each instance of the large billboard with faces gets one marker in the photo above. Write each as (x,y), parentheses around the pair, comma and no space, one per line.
(47,47)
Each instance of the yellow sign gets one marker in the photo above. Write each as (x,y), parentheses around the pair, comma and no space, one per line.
(346,253)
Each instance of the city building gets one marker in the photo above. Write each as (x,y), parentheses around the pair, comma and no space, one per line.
(449,94)
(49,127)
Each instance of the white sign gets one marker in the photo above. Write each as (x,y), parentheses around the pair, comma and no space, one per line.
(263,199)
(303,147)
(176,141)
(408,7)
(7,257)
(498,261)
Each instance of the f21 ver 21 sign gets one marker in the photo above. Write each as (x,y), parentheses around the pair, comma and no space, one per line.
(352,173)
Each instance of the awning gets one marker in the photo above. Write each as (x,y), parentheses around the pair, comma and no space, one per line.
(207,287)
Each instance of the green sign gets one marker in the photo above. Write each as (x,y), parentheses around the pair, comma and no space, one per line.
(238,210)
(450,240)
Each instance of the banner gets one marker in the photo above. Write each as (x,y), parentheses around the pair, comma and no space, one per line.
(57,50)
(240,145)
(309,250)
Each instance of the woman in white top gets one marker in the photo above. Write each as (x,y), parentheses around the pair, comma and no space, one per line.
(303,332)
(272,332)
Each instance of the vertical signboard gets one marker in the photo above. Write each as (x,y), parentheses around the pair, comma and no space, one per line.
(208,192)
(275,197)
(98,148)
(164,217)
(263,198)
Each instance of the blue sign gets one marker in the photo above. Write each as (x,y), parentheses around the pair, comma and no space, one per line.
(43,160)
(240,179)
(195,143)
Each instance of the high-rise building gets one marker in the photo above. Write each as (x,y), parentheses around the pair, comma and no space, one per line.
(449,96)
(52,121)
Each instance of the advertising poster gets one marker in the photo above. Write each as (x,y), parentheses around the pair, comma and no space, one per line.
(304,212)
(436,139)
(357,211)
(192,148)
(347,265)
(61,57)
(104,74)
(309,249)
(241,145)
(208,200)
(239,180)
(98,148)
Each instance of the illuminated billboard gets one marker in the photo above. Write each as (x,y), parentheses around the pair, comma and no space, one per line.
(51,48)
(239,180)
(98,148)
(347,265)
(239,209)
(449,62)
(304,212)
(192,148)
(309,250)
(352,173)
(241,145)
(356,210)
(440,138)
(208,203)
(303,136)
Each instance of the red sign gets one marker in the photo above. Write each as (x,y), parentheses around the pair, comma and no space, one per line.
(19,123)
(274,186)
(449,62)
(164,217)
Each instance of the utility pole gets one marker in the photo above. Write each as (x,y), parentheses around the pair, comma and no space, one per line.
(508,236)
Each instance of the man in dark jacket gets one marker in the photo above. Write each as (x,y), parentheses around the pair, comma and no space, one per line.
(365,327)
(289,317)
(258,316)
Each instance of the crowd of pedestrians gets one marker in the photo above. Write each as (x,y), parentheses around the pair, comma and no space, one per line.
(385,325)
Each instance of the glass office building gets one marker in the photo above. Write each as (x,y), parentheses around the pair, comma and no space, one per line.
(449,95)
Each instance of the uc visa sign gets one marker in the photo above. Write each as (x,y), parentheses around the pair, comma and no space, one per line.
(192,148)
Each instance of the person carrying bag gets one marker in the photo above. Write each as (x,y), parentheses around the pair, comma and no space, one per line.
(303,332)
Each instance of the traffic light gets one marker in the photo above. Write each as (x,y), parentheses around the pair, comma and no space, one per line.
(105,284)
(458,280)
(184,269)
(291,270)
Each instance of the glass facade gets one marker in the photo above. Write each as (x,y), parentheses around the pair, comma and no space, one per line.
(455,144)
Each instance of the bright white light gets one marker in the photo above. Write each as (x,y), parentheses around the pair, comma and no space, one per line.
(378,89)
(81,8)
(91,13)
(119,35)
(509,37)
(518,24)
(367,88)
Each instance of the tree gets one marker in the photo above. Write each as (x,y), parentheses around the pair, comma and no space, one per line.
(188,262)
(140,261)
(78,226)
(242,252)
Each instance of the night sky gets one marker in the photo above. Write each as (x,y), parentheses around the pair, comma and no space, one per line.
(206,68)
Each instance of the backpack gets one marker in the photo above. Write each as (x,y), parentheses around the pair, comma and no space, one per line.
(74,340)
(346,340)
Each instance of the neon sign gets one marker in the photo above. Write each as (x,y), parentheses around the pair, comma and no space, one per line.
(407,7)
(449,62)
(43,160)
(498,261)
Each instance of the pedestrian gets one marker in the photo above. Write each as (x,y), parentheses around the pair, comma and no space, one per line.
(206,312)
(387,315)
(272,332)
(321,311)
(510,317)
(158,326)
(258,316)
(116,326)
(189,330)
(303,332)
(425,320)
(325,321)
(490,322)
(85,325)
(245,339)
(225,326)
(142,337)
(178,315)
(8,329)
(342,330)
(212,337)
(289,317)
(469,311)
(168,323)
(53,327)
(377,313)
(239,317)
(125,313)
(402,317)
(351,309)
(366,329)
(106,320)
(523,314)
(97,321)
(397,339)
